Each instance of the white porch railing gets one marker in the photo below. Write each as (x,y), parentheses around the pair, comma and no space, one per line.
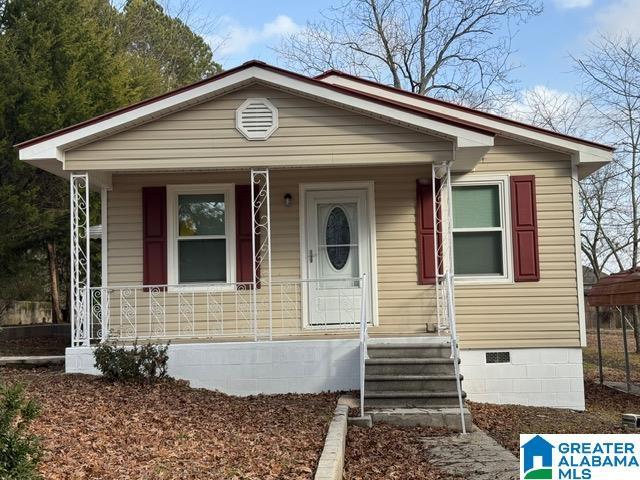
(164,312)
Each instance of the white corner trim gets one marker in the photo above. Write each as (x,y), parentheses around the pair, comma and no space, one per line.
(228,189)
(50,148)
(104,241)
(259,131)
(575,193)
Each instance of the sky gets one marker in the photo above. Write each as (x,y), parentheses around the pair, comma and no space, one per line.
(542,46)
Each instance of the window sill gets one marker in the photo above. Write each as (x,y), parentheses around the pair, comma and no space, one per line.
(482,281)
(210,287)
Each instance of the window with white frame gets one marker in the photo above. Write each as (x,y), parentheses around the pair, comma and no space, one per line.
(201,221)
(480,233)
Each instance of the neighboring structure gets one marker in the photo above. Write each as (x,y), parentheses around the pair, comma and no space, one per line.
(24,313)
(621,292)
(264,205)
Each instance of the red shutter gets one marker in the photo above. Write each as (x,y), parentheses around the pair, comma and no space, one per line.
(244,246)
(524,224)
(154,231)
(425,234)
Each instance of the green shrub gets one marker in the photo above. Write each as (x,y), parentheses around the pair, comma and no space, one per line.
(141,364)
(19,450)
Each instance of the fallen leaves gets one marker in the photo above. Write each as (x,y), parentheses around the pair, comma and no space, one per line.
(47,345)
(389,452)
(95,430)
(603,414)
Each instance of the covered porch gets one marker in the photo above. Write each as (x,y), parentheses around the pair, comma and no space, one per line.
(332,253)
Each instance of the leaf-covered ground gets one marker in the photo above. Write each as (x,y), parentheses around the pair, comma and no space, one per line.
(603,414)
(49,345)
(389,452)
(91,429)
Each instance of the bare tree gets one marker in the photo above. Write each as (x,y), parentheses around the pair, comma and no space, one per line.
(611,69)
(453,49)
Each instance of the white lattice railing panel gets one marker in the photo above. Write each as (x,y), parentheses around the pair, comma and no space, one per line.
(80,264)
(222,310)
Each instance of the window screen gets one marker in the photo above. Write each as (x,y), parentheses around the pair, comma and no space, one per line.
(478,233)
(201,238)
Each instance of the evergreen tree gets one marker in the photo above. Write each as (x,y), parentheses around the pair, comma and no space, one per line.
(62,62)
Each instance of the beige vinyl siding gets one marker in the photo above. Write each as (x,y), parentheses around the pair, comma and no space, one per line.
(529,314)
(404,306)
(309,133)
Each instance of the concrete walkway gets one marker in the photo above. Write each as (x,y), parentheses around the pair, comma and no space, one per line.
(474,456)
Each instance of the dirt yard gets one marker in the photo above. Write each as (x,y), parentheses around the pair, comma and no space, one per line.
(612,355)
(91,429)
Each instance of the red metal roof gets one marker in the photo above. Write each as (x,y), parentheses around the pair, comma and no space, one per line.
(618,289)
(462,108)
(337,88)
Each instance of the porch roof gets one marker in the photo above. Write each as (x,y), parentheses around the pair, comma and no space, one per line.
(470,140)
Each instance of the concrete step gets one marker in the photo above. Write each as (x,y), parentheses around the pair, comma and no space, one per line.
(424,417)
(429,383)
(404,399)
(409,366)
(383,350)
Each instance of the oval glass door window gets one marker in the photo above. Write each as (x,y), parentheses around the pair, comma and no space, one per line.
(338,238)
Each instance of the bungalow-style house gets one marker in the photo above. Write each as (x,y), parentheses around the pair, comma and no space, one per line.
(271,225)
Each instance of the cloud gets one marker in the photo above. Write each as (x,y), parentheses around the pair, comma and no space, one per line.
(236,39)
(558,110)
(621,16)
(567,4)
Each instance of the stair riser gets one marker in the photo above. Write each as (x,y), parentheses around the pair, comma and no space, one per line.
(451,402)
(411,385)
(410,352)
(411,369)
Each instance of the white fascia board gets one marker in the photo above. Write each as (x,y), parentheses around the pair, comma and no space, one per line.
(97,180)
(53,147)
(582,153)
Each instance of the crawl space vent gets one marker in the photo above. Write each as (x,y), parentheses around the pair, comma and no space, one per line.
(498,357)
(257,119)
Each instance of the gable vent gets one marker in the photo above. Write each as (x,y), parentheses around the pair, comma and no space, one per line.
(257,119)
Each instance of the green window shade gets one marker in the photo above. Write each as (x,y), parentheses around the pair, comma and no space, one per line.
(477,253)
(202,260)
(200,215)
(476,206)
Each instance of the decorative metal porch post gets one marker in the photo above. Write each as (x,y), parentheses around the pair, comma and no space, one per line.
(261,221)
(443,249)
(80,259)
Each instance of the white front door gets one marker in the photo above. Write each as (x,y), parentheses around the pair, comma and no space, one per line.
(338,252)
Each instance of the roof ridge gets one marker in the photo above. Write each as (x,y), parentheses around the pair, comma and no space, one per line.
(456,106)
